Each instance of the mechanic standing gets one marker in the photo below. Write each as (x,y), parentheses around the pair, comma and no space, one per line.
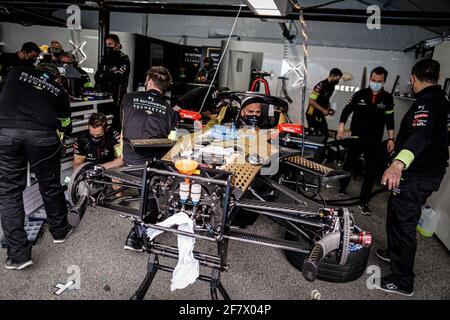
(33,108)
(27,55)
(112,77)
(319,103)
(417,171)
(206,74)
(319,107)
(146,115)
(373,110)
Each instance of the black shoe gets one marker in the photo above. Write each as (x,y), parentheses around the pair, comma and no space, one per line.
(388,285)
(10,265)
(365,210)
(383,255)
(133,242)
(342,192)
(62,240)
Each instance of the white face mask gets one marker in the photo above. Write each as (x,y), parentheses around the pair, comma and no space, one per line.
(375,86)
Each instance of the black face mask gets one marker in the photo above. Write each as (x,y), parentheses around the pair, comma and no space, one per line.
(29,62)
(253,121)
(109,50)
(96,140)
(334,82)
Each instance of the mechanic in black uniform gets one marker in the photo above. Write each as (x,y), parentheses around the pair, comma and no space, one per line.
(373,110)
(206,74)
(33,107)
(112,76)
(146,115)
(27,55)
(417,171)
(319,103)
(67,60)
(319,107)
(100,145)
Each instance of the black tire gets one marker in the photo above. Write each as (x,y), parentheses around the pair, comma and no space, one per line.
(328,269)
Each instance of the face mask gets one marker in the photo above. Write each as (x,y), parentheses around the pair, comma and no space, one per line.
(109,50)
(412,87)
(96,140)
(253,121)
(375,86)
(334,82)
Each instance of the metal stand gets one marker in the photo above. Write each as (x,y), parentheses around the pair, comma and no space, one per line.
(216,284)
(216,263)
(151,273)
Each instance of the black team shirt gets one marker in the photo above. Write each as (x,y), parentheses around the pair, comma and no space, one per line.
(371,113)
(145,115)
(424,133)
(30,99)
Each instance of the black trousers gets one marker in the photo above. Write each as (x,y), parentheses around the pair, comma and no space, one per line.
(113,109)
(42,150)
(403,213)
(371,152)
(317,125)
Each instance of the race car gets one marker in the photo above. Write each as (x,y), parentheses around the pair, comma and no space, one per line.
(237,172)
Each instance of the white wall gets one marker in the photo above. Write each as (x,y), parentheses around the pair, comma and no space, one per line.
(440,202)
(442,54)
(14,35)
(321,60)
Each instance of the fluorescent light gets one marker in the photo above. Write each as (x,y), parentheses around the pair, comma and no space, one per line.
(264,7)
(267,12)
(263,4)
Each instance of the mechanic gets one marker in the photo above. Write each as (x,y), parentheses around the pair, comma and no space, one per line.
(206,74)
(101,145)
(193,99)
(112,77)
(373,110)
(319,103)
(416,172)
(68,59)
(55,50)
(146,115)
(33,107)
(319,107)
(27,55)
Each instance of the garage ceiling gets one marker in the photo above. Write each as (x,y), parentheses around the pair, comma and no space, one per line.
(327,25)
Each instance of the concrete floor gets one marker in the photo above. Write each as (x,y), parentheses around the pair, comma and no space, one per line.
(256,272)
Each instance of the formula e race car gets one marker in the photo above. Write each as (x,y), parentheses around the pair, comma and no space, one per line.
(216,176)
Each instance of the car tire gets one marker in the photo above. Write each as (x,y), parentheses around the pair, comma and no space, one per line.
(328,269)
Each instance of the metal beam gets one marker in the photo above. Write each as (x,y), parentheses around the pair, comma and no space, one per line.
(388,17)
(103,26)
(38,14)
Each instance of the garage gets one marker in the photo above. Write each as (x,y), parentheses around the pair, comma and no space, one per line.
(226,149)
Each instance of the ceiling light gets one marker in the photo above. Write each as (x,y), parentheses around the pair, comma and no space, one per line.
(268,7)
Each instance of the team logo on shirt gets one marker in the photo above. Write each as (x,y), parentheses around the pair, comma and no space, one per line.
(420,119)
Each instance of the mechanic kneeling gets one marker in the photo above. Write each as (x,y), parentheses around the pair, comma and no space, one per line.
(33,106)
(101,145)
(146,115)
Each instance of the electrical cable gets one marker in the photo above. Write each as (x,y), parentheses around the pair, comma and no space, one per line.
(43,159)
(221,58)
